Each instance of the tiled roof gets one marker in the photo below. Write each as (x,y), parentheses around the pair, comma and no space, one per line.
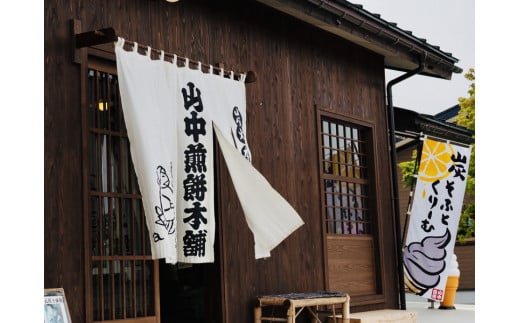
(410,124)
(394,26)
(401,49)
(448,113)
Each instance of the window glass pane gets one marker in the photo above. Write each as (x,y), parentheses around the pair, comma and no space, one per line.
(107,289)
(96,289)
(137,221)
(116,228)
(105,229)
(139,288)
(129,288)
(341,137)
(115,164)
(150,291)
(345,178)
(126,242)
(95,227)
(118,276)
(325,126)
(125,166)
(104,162)
(112,103)
(93,162)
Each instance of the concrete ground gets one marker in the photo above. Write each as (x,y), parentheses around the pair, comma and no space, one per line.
(464,311)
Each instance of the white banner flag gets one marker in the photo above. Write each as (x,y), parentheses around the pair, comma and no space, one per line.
(269,216)
(151,122)
(436,209)
(169,113)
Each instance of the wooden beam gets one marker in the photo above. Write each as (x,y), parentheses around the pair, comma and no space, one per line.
(107,35)
(95,37)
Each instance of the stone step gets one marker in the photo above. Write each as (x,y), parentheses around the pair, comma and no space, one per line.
(380,316)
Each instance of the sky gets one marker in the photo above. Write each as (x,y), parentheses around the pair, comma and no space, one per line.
(449,24)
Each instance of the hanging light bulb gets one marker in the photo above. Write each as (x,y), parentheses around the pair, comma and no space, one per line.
(172,0)
(102,105)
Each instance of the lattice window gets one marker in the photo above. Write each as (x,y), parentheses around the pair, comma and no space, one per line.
(345,176)
(123,274)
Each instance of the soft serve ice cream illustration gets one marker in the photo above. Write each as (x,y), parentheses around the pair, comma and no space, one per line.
(424,262)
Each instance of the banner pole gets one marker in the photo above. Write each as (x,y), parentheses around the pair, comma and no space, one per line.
(107,35)
(412,188)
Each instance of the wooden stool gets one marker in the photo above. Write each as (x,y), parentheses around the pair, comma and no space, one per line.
(296,302)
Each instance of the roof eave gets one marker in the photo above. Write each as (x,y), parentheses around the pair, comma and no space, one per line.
(400,49)
(411,124)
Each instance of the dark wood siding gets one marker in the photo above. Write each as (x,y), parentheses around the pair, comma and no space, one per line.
(63,207)
(466,259)
(298,68)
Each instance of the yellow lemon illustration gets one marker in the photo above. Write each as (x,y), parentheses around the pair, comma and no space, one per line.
(435,160)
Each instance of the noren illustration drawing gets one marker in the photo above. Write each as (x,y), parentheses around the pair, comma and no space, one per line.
(166,209)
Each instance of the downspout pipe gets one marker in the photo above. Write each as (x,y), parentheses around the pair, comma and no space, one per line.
(395,180)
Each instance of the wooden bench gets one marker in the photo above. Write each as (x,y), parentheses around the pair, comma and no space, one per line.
(297,302)
(381,316)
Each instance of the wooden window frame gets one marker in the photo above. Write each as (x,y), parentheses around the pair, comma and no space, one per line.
(377,297)
(366,180)
(102,58)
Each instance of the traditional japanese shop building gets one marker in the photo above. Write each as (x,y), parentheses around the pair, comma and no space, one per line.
(318,126)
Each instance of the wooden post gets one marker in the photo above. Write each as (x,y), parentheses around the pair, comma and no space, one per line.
(258,314)
(291,313)
(345,313)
